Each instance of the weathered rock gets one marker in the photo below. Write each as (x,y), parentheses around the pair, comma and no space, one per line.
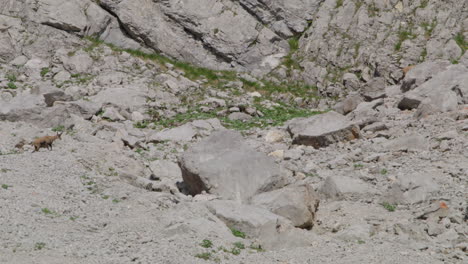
(322,130)
(410,142)
(274,136)
(181,133)
(164,169)
(422,73)
(348,105)
(50,98)
(342,187)
(238,116)
(112,114)
(296,203)
(272,231)
(224,165)
(441,93)
(412,189)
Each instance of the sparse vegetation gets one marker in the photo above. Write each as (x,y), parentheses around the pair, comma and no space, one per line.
(44,71)
(383,171)
(39,245)
(11,77)
(461,41)
(402,36)
(339,3)
(5,186)
(205,255)
(59,128)
(239,245)
(11,85)
(358,166)
(115,200)
(257,248)
(237,233)
(361,241)
(206,243)
(389,207)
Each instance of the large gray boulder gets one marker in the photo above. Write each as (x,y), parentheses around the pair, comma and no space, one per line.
(296,203)
(322,130)
(412,188)
(272,231)
(345,188)
(422,73)
(223,164)
(442,93)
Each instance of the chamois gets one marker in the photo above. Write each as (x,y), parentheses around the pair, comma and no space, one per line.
(45,142)
(407,69)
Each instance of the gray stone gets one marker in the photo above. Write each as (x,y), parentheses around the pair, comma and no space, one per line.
(412,189)
(299,204)
(164,169)
(238,116)
(411,142)
(342,187)
(112,114)
(422,73)
(50,98)
(223,164)
(348,105)
(181,133)
(322,130)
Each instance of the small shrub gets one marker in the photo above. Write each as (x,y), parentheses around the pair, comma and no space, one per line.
(39,245)
(361,241)
(237,233)
(358,166)
(205,256)
(462,43)
(141,124)
(239,245)
(389,207)
(206,243)
(235,251)
(59,128)
(257,248)
(383,171)
(44,71)
(11,85)
(11,77)
(339,3)
(5,186)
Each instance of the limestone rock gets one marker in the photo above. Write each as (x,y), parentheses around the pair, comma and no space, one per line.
(296,203)
(322,130)
(223,164)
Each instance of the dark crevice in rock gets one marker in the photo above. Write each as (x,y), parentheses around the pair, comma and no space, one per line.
(199,37)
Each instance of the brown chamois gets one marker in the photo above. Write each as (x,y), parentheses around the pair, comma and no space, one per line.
(45,142)
(407,69)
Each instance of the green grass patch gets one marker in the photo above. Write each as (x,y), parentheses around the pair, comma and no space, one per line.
(461,41)
(44,71)
(205,255)
(239,245)
(389,207)
(237,233)
(275,116)
(358,166)
(402,36)
(11,85)
(59,128)
(11,77)
(206,243)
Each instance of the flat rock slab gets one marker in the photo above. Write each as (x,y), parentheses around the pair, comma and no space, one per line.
(223,164)
(322,130)
(345,188)
(296,203)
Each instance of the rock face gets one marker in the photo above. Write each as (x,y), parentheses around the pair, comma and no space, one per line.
(223,164)
(322,130)
(442,93)
(296,203)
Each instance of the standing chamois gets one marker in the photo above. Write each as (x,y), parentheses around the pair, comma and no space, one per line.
(45,142)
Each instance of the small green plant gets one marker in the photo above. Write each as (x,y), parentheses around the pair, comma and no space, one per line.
(5,186)
(389,207)
(424,4)
(257,248)
(73,218)
(358,166)
(39,245)
(339,3)
(206,243)
(139,151)
(141,124)
(44,71)
(235,251)
(59,128)
(105,197)
(239,245)
(205,256)
(383,171)
(11,85)
(47,211)
(361,241)
(11,77)
(115,200)
(402,36)
(237,233)
(461,41)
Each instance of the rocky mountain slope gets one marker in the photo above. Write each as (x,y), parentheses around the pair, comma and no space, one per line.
(247,131)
